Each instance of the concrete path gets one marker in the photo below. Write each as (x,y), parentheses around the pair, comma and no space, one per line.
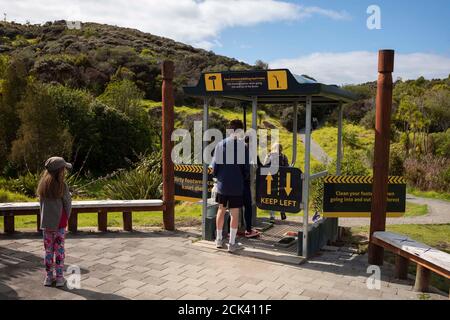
(167,265)
(438,213)
(316,150)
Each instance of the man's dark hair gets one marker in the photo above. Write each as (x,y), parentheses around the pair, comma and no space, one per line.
(236,124)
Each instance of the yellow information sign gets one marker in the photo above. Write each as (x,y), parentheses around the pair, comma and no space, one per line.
(213,82)
(277,80)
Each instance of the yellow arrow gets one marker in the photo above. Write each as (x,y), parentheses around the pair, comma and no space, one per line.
(269,184)
(288,188)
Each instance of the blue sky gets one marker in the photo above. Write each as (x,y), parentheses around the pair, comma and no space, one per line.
(327,39)
(407,27)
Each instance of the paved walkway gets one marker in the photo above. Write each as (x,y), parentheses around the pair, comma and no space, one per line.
(168,265)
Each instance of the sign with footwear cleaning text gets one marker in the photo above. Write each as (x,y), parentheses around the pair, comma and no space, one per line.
(351,196)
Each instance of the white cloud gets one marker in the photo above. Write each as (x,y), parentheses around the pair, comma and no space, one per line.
(197,22)
(361,66)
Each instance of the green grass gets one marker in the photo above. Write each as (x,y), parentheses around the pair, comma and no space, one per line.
(415,210)
(8,196)
(434,235)
(326,137)
(429,194)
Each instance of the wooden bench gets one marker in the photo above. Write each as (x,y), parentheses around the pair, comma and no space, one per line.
(101,207)
(406,249)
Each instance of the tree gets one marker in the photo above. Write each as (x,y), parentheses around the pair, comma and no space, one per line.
(13,87)
(437,107)
(261,65)
(42,134)
(73,107)
(124,96)
(119,139)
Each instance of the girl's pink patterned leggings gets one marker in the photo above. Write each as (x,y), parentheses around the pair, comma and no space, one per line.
(54,250)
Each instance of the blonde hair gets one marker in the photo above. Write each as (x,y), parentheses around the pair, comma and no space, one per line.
(51,184)
(276,148)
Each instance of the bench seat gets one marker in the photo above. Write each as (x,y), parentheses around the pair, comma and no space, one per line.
(102,207)
(427,258)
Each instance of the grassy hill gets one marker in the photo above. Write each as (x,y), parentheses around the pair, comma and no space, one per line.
(91,56)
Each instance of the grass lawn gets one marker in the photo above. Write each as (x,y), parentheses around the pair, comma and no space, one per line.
(414,210)
(326,137)
(429,194)
(435,235)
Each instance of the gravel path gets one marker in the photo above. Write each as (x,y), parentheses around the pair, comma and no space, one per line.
(438,213)
(316,150)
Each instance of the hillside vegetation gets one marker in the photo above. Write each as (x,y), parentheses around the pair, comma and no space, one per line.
(92,95)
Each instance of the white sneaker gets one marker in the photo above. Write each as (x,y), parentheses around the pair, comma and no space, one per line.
(219,243)
(60,282)
(48,282)
(235,247)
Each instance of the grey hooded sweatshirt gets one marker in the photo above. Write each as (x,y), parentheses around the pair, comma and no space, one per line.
(51,209)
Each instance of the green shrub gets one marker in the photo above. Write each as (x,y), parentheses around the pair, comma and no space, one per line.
(368,121)
(353,164)
(142,182)
(8,196)
(440,143)
(428,173)
(119,139)
(396,159)
(27,184)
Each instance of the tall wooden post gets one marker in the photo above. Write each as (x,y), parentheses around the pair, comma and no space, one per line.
(381,152)
(167,145)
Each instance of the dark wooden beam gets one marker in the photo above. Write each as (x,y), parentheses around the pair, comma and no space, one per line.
(381,152)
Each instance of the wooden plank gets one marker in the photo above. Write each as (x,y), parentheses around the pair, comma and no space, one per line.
(423,251)
(38,223)
(401,267)
(443,272)
(127,221)
(32,208)
(102,220)
(73,222)
(25,206)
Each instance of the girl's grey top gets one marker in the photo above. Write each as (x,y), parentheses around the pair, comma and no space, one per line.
(51,209)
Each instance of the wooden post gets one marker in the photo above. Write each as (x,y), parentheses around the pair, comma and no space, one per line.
(127,221)
(73,222)
(102,220)
(422,279)
(8,222)
(381,153)
(401,267)
(38,222)
(167,145)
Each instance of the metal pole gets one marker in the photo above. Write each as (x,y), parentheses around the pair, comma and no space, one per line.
(306,175)
(253,167)
(167,69)
(338,164)
(205,168)
(244,110)
(381,152)
(294,136)
(339,141)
